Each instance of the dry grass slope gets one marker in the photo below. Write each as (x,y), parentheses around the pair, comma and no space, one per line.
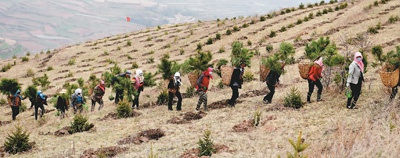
(373,130)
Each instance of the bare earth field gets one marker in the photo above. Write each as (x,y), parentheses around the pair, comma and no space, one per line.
(332,130)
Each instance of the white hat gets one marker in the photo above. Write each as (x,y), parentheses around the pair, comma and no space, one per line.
(78,91)
(177,74)
(63,91)
(139,72)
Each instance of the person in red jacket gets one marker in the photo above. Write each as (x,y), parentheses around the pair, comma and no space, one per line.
(202,87)
(314,76)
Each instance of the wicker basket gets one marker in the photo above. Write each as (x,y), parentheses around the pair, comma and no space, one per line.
(264,71)
(389,79)
(304,68)
(193,78)
(226,73)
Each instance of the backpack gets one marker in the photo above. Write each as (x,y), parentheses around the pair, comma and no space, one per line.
(39,100)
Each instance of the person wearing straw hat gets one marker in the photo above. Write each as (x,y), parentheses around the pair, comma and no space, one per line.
(138,84)
(236,82)
(97,95)
(202,87)
(314,76)
(355,79)
(62,103)
(173,90)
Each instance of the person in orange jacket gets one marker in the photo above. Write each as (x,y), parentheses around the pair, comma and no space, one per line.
(314,76)
(202,87)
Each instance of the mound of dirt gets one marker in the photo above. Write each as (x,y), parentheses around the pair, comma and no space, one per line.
(106,152)
(193,153)
(276,107)
(253,93)
(144,136)
(177,120)
(114,115)
(4,122)
(67,130)
(221,104)
(148,105)
(245,126)
(194,116)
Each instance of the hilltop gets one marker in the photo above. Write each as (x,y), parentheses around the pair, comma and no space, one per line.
(330,129)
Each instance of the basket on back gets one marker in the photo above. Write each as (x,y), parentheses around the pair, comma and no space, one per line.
(193,76)
(264,71)
(226,73)
(304,68)
(389,79)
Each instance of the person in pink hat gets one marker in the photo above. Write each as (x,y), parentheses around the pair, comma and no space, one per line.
(97,95)
(355,79)
(202,87)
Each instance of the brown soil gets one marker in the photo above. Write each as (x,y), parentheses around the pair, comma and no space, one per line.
(114,115)
(107,151)
(4,123)
(245,126)
(144,136)
(253,93)
(193,153)
(67,130)
(177,120)
(221,104)
(194,116)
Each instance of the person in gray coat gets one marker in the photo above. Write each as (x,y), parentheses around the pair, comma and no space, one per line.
(355,79)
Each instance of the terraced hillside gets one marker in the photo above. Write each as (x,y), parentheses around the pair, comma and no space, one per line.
(330,129)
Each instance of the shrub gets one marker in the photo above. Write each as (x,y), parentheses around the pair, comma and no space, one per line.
(118,48)
(181,51)
(9,86)
(344,5)
(309,6)
(372,30)
(322,2)
(124,110)
(49,68)
(305,19)
(199,46)
(272,62)
(28,54)
(165,67)
(311,16)
(240,53)
(269,48)
(25,59)
(150,60)
(105,53)
(70,74)
(81,82)
(158,27)
(18,141)
(134,65)
(337,8)
(199,63)
(149,78)
(71,61)
(376,3)
(319,13)
(252,22)
(206,145)
(221,49)
(283,29)
(299,21)
(325,11)
(235,28)
(190,91)
(301,6)
(248,76)
(80,124)
(293,99)
(316,47)
(162,97)
(290,25)
(330,9)
(249,42)
(245,25)
(41,81)
(218,36)
(286,50)
(283,12)
(209,41)
(30,73)
(272,34)
(393,19)
(262,18)
(228,32)
(288,10)
(14,56)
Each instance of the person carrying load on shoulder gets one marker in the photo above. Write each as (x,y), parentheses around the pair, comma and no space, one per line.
(202,87)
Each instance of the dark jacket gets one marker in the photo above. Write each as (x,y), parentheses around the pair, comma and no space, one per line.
(61,103)
(172,85)
(273,77)
(236,79)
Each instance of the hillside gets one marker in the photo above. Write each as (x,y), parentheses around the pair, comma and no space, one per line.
(330,129)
